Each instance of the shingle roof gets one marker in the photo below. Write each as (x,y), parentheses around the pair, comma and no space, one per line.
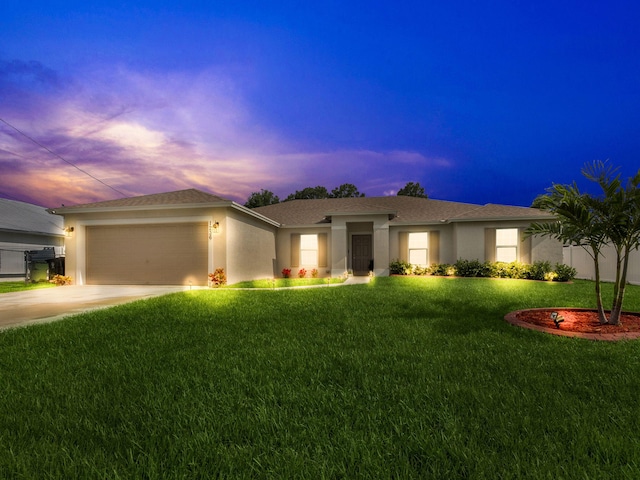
(494,211)
(26,217)
(403,209)
(191,196)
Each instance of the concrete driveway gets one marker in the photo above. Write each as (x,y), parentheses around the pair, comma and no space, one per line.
(33,306)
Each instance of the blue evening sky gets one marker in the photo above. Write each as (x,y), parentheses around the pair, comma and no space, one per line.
(478,101)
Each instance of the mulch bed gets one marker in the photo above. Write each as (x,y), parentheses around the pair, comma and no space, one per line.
(577,322)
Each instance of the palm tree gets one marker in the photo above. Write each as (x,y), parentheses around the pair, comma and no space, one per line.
(576,224)
(622,223)
(593,222)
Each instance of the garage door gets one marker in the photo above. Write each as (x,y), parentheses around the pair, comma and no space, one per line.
(174,254)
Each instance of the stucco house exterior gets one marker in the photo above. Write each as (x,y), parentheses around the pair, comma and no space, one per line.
(179,237)
(25,227)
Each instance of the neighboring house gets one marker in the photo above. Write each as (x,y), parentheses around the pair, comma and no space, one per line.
(578,258)
(25,227)
(180,237)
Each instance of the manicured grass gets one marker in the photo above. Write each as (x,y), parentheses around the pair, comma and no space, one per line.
(6,287)
(402,378)
(286,282)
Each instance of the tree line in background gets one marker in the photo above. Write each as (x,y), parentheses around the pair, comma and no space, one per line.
(346,190)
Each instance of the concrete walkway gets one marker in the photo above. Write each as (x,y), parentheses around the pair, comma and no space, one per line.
(48,304)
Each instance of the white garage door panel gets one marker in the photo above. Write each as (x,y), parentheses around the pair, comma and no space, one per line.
(174,254)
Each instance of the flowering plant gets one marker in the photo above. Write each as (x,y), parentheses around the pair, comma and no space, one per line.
(302,273)
(218,277)
(60,280)
(314,273)
(286,272)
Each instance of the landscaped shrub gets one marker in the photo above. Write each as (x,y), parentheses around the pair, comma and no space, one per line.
(286,272)
(400,267)
(302,273)
(314,273)
(508,270)
(218,277)
(472,268)
(419,270)
(442,270)
(540,270)
(565,273)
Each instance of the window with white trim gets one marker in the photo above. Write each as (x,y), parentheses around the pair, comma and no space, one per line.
(419,248)
(506,245)
(309,250)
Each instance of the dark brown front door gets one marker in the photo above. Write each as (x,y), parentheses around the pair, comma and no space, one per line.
(361,258)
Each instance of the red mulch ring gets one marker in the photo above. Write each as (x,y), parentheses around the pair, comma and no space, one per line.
(577,322)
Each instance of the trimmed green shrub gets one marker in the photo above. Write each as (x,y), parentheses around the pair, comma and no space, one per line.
(442,269)
(540,270)
(508,270)
(472,268)
(419,270)
(565,273)
(400,267)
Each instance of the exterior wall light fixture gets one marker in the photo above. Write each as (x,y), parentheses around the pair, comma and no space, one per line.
(214,227)
(68,231)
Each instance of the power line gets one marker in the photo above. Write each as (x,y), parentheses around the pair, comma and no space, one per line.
(63,159)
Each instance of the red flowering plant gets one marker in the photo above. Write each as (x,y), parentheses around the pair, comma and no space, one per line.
(302,273)
(218,278)
(286,272)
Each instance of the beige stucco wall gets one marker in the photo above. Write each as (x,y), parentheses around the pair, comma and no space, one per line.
(469,242)
(339,234)
(250,247)
(343,227)
(283,246)
(445,233)
(545,248)
(232,227)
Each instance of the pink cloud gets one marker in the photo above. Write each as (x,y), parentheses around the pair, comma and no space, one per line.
(143,133)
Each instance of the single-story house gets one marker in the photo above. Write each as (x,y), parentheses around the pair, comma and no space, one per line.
(180,237)
(25,227)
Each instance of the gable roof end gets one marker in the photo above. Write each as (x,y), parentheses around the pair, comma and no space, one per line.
(180,198)
(191,198)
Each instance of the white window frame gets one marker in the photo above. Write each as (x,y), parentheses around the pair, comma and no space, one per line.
(418,246)
(309,250)
(507,248)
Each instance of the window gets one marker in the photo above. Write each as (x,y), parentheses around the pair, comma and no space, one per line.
(419,248)
(506,244)
(309,250)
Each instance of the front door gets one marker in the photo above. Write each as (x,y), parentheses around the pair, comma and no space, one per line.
(361,258)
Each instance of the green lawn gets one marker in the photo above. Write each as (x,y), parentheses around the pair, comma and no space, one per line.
(402,378)
(285,283)
(6,287)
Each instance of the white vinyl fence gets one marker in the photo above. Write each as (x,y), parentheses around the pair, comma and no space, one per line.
(579,259)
